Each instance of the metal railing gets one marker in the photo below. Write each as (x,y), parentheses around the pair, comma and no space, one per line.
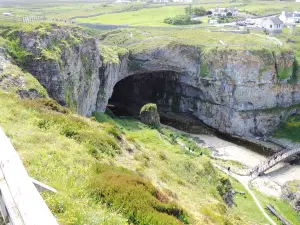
(272,161)
(20,201)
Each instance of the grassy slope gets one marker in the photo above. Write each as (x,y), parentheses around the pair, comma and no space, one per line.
(282,207)
(59,149)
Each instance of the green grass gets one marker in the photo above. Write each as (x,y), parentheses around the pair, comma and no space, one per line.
(63,10)
(268,7)
(112,54)
(246,205)
(62,149)
(289,129)
(115,186)
(142,17)
(57,148)
(156,16)
(282,207)
(143,37)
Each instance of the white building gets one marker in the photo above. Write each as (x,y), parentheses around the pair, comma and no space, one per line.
(290,17)
(183,1)
(7,14)
(159,1)
(273,24)
(123,1)
(223,12)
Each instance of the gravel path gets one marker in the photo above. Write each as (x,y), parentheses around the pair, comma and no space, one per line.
(244,180)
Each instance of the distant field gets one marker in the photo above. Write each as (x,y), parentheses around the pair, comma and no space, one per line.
(63,10)
(135,13)
(143,17)
(156,16)
(263,8)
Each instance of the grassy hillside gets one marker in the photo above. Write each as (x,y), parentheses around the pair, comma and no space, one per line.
(71,154)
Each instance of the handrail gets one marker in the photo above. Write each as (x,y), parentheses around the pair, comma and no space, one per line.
(272,161)
(21,203)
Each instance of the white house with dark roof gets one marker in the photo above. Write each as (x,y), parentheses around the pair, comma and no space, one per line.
(223,12)
(273,24)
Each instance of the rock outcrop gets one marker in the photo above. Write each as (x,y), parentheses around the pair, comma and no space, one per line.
(14,80)
(237,91)
(291,193)
(149,114)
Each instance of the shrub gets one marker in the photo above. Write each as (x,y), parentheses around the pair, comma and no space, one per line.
(19,54)
(137,197)
(181,20)
(224,185)
(200,11)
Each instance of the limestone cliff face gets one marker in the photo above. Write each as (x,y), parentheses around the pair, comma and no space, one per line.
(241,92)
(66,62)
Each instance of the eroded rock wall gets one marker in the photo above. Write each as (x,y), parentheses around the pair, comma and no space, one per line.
(66,62)
(237,91)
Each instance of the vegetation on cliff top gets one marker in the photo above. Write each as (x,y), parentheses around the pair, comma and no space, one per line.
(289,129)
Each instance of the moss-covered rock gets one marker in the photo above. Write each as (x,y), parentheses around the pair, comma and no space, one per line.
(149,114)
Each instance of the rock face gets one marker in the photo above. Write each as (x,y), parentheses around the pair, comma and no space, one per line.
(237,91)
(149,114)
(66,62)
(14,80)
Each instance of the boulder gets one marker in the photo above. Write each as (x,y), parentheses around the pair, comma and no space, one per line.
(149,114)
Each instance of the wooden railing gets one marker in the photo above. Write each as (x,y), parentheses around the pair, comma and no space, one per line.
(20,202)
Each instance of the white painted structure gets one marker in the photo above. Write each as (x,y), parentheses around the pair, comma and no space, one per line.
(290,17)
(224,12)
(20,202)
(273,25)
(7,14)
(183,1)
(212,21)
(123,1)
(158,1)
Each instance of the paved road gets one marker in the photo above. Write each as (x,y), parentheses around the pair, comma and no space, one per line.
(244,180)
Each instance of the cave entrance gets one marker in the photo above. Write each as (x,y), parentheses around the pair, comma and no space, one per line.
(175,100)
